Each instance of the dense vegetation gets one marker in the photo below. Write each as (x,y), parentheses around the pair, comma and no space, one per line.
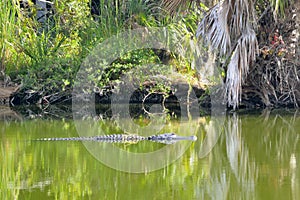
(44,52)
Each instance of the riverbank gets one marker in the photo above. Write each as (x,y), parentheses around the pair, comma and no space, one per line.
(15,95)
(46,63)
(7,91)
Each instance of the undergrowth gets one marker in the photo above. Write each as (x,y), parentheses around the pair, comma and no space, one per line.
(45,56)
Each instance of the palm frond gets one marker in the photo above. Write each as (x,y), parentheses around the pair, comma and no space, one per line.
(228,28)
(214,28)
(172,6)
(243,55)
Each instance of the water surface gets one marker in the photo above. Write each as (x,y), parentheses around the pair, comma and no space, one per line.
(256,156)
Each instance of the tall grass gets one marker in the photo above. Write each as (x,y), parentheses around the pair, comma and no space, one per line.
(8,26)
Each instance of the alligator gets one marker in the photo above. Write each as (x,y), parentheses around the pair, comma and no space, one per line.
(166,138)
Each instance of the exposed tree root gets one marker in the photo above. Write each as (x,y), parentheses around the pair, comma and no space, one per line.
(274,80)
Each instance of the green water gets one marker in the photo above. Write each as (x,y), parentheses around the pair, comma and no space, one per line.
(255,156)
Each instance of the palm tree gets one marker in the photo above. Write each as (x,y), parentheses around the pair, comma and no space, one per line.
(229,28)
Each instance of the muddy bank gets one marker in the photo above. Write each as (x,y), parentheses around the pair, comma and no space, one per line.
(25,96)
(7,90)
(8,114)
(34,105)
(251,99)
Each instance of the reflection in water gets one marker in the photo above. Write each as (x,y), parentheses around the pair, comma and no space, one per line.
(238,156)
(261,153)
(254,157)
(213,129)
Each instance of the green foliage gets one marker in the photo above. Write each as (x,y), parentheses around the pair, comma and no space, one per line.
(46,56)
(8,26)
(126,62)
(50,75)
(278,6)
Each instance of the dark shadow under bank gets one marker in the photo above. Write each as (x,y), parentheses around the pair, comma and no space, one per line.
(26,97)
(31,105)
(104,111)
